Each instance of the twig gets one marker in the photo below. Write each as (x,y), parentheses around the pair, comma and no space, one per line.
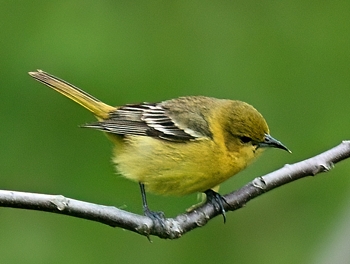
(181,224)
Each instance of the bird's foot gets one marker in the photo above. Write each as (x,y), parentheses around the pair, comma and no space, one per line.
(217,201)
(158,217)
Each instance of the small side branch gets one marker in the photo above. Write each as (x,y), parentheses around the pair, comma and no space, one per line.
(183,223)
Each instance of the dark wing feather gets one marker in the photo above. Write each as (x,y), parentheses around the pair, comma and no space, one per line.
(144,119)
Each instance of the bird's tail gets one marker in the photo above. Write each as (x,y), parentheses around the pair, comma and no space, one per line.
(98,108)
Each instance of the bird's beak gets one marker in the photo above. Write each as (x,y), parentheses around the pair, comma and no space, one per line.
(274,143)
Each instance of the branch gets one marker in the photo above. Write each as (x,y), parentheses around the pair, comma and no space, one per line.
(181,224)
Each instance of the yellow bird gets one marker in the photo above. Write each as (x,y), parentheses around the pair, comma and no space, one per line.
(179,146)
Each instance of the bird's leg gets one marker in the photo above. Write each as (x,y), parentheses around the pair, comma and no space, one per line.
(157,217)
(217,201)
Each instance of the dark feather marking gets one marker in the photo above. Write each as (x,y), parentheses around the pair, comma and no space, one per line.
(143,120)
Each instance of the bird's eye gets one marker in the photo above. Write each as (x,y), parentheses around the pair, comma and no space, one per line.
(245,139)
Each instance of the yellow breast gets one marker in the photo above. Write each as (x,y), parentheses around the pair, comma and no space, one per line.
(174,168)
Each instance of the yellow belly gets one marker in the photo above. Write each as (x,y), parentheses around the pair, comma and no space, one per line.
(173,168)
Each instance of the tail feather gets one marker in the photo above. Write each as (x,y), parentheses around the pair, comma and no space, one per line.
(98,108)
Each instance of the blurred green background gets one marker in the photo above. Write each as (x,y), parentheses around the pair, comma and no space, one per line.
(290,59)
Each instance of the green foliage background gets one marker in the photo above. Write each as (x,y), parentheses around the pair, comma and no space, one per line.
(290,59)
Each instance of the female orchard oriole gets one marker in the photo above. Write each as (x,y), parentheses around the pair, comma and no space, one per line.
(179,146)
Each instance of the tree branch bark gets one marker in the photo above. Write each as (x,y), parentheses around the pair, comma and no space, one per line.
(183,223)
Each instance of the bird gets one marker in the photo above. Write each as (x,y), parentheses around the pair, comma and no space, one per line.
(176,147)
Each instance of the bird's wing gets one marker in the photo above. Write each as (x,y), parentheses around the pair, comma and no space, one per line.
(147,119)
